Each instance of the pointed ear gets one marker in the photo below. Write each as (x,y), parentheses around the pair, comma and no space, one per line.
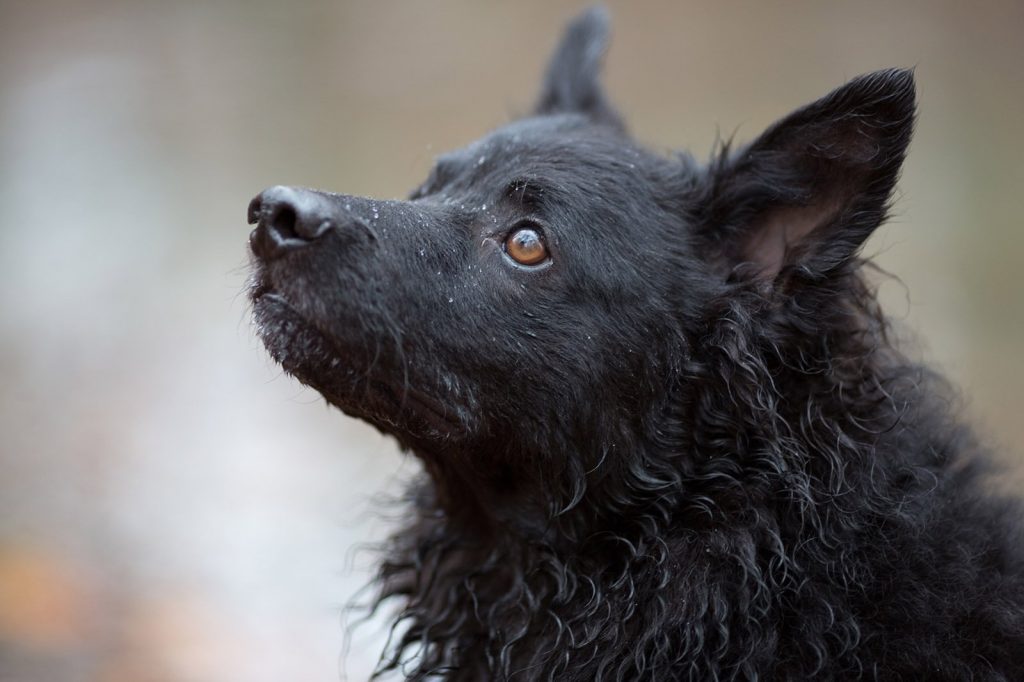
(806,194)
(572,83)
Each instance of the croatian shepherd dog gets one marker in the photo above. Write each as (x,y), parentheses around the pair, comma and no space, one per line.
(664,432)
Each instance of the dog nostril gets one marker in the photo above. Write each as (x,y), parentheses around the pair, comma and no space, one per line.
(282,220)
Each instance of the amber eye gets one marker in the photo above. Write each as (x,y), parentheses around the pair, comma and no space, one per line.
(526,247)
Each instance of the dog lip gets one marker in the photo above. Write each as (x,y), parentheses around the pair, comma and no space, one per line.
(271,295)
(262,288)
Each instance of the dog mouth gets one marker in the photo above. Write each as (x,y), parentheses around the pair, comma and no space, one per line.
(347,374)
(260,286)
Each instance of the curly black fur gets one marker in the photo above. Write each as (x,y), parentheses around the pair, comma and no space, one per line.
(681,448)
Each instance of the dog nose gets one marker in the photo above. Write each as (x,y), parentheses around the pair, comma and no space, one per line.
(288,218)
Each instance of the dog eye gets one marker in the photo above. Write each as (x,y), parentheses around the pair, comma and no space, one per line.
(526,247)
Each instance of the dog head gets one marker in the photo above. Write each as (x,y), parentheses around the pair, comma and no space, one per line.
(539,302)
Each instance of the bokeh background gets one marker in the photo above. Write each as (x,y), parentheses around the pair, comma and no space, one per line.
(172,508)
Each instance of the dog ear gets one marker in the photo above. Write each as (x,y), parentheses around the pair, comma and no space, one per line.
(809,191)
(572,82)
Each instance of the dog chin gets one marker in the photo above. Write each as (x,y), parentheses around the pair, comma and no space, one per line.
(306,353)
(298,346)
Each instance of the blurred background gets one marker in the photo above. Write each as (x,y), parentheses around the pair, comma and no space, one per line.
(172,508)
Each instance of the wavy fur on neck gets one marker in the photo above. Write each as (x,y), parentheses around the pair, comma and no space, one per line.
(810,511)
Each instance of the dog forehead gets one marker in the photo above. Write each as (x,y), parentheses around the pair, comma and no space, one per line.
(536,140)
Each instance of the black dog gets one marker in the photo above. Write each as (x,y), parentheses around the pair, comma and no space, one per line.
(664,432)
